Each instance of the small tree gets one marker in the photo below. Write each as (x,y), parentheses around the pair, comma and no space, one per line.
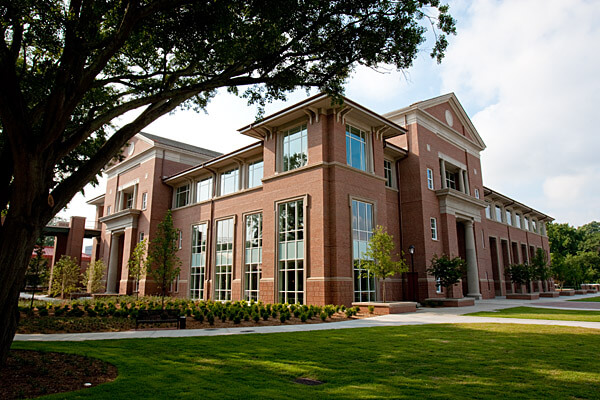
(540,266)
(37,270)
(447,270)
(162,256)
(521,273)
(137,263)
(92,276)
(65,277)
(378,257)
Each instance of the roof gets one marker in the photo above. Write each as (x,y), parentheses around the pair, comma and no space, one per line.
(180,145)
(491,192)
(213,161)
(313,106)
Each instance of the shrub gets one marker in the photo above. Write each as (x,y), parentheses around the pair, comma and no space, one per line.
(237,319)
(255,317)
(371,309)
(43,312)
(447,270)
(296,313)
(282,318)
(323,316)
(210,318)
(303,317)
(91,312)
(349,312)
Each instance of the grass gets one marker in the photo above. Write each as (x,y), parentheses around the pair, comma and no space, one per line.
(541,313)
(430,361)
(593,299)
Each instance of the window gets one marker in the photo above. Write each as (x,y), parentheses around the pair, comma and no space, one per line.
(434,233)
(255,174)
(451,180)
(488,211)
(224,259)
(180,240)
(175,285)
(498,213)
(291,252)
(182,195)
(518,220)
(534,226)
(144,200)
(508,217)
(128,201)
(295,152)
(526,220)
(198,265)
(204,190)
(141,236)
(476,193)
(387,170)
(229,182)
(108,210)
(356,148)
(430,179)
(362,230)
(438,285)
(253,257)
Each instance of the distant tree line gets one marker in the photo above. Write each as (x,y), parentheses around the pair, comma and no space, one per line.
(575,253)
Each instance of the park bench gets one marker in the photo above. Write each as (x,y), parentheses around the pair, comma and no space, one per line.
(151,317)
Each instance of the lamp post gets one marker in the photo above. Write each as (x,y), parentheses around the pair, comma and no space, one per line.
(411,250)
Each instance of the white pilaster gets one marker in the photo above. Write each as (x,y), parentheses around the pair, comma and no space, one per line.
(472,272)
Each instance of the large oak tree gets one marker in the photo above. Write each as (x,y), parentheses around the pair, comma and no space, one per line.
(69,68)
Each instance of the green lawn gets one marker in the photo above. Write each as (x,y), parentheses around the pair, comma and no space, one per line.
(541,313)
(594,299)
(408,362)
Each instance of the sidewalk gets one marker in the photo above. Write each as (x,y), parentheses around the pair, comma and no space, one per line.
(422,316)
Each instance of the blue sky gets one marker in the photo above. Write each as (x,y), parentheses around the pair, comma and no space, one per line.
(527,74)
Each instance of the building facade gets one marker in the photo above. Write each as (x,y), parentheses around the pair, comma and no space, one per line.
(288,218)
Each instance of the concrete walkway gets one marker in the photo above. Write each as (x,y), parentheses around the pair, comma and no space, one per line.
(421,317)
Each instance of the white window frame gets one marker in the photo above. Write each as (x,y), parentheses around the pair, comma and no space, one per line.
(179,190)
(363,139)
(204,183)
(180,239)
(364,283)
(508,217)
(285,145)
(294,242)
(198,260)
(388,173)
(252,172)
(224,270)
(430,183)
(108,210)
(141,237)
(236,179)
(144,200)
(498,209)
(476,193)
(252,258)
(434,230)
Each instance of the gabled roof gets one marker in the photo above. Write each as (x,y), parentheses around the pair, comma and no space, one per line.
(458,109)
(179,145)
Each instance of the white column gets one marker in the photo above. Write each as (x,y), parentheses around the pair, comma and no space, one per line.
(135,194)
(443,172)
(472,272)
(113,265)
(467,188)
(461,181)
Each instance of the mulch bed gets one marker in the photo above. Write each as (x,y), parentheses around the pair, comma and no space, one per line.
(50,324)
(30,374)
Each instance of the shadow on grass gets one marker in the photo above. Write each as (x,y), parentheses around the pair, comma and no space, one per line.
(431,361)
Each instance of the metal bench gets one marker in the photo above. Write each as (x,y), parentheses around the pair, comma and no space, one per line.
(151,317)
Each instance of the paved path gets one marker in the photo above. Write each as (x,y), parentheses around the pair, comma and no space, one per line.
(421,317)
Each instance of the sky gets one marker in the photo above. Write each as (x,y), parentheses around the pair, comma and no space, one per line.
(526,72)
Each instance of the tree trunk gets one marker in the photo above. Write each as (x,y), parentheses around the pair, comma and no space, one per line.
(16,243)
(384,290)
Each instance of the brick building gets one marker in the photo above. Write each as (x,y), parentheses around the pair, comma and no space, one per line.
(287,218)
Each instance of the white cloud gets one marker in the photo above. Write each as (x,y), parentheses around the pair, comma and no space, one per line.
(532,72)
